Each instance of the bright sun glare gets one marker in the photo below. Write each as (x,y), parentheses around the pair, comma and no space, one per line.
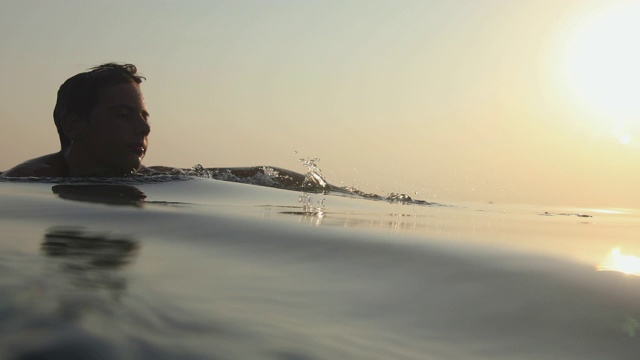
(602,66)
(617,261)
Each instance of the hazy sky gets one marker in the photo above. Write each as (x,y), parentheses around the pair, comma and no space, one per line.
(528,101)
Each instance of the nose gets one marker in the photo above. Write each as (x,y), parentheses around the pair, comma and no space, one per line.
(142,126)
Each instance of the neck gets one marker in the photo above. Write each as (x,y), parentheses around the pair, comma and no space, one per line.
(80,165)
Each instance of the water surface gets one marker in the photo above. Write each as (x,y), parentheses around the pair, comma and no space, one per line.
(197,268)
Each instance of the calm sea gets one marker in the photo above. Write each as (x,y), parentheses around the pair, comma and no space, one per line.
(186,267)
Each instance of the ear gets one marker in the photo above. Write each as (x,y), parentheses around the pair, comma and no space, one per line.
(72,126)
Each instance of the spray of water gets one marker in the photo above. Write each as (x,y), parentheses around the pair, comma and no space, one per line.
(311,182)
(313,179)
(199,171)
(308,206)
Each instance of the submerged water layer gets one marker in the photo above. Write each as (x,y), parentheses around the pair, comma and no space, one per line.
(196,268)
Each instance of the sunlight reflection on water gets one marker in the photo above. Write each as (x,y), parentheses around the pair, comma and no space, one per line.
(617,261)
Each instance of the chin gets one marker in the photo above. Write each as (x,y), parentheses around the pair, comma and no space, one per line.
(132,164)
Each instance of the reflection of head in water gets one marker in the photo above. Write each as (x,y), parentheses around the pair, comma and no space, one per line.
(91,259)
(106,194)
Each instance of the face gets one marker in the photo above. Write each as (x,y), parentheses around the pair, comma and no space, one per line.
(115,137)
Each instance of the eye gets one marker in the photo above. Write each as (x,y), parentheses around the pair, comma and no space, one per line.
(121,113)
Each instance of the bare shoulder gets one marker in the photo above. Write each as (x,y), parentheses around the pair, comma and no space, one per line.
(52,165)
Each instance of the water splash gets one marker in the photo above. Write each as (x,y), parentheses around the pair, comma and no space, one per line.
(259,175)
(308,206)
(403,199)
(312,181)
(313,177)
(199,171)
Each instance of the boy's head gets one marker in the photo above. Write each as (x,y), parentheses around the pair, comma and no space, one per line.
(80,93)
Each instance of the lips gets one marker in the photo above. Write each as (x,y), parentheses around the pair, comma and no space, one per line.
(137,148)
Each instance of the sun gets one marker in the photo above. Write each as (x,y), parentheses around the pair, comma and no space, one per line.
(624,139)
(602,66)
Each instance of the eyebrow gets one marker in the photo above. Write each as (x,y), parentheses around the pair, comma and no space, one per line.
(144,112)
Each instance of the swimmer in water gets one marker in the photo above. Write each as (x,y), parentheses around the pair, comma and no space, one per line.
(103,125)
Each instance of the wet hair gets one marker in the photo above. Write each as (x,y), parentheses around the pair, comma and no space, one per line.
(80,93)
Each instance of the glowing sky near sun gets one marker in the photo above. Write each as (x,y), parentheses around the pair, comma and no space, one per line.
(485,100)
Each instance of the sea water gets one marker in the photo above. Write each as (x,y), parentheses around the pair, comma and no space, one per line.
(191,267)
